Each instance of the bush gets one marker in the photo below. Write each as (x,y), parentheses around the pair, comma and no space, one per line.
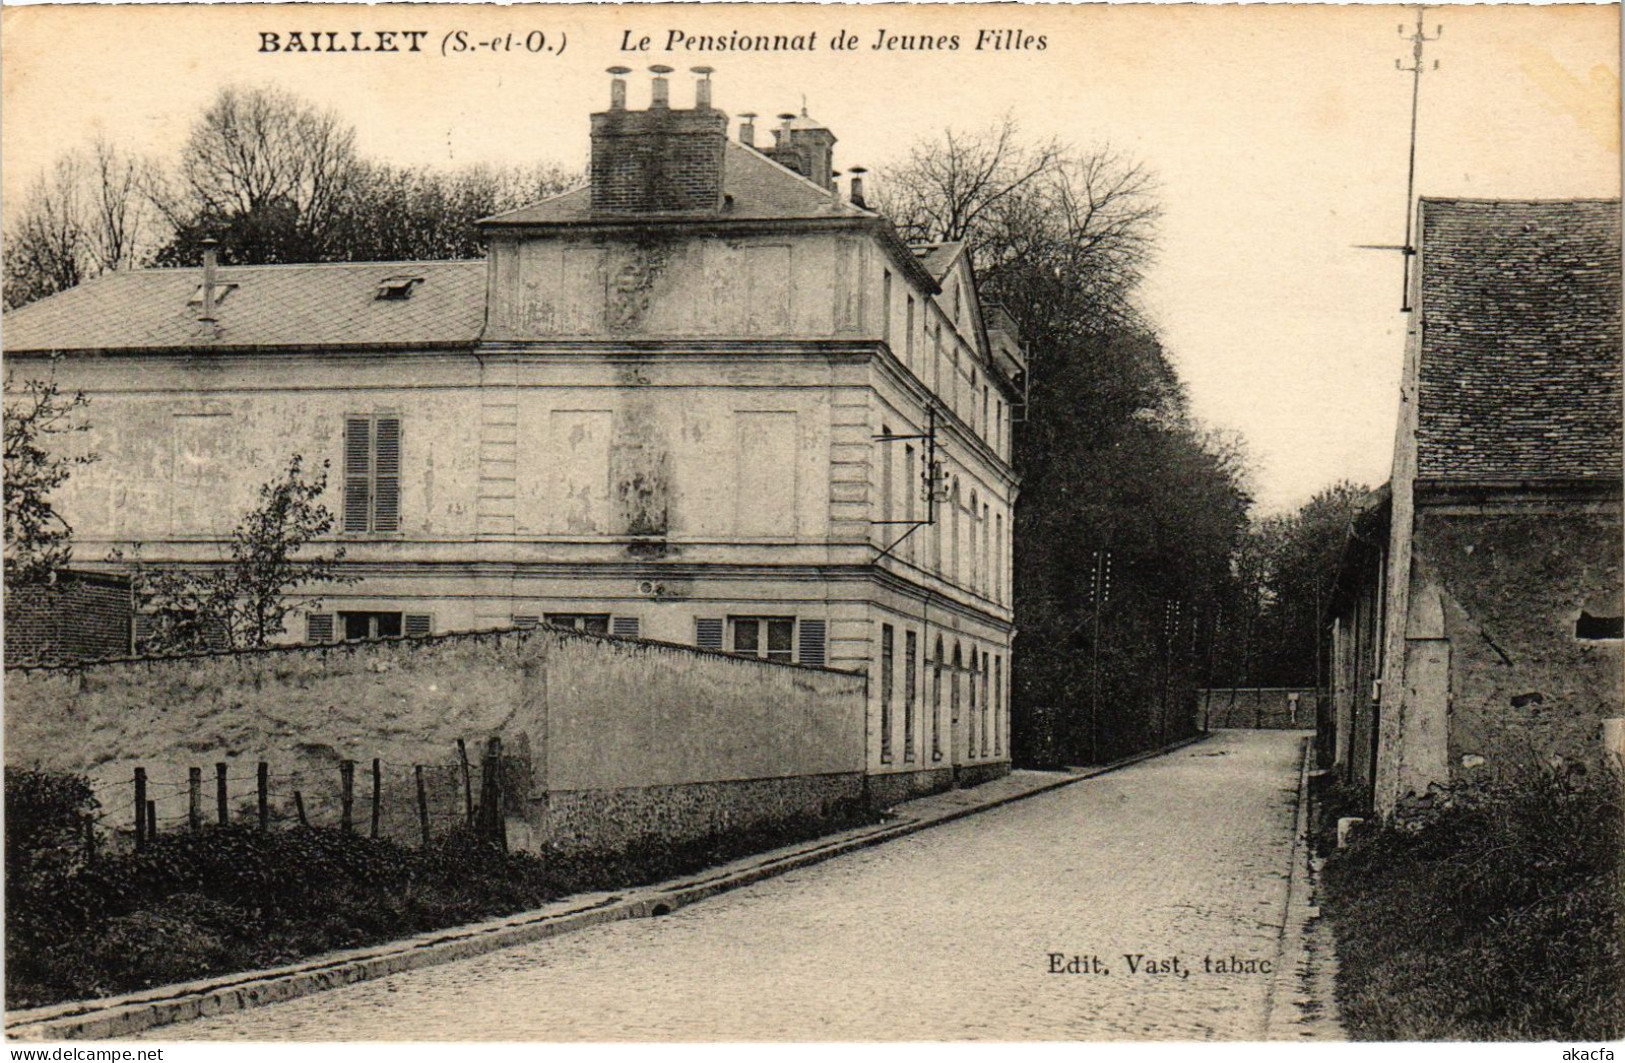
(1486,912)
(192,904)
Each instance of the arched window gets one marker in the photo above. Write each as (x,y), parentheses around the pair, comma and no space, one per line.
(953,698)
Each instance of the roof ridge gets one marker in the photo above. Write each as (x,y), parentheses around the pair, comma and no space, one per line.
(370,264)
(1495,200)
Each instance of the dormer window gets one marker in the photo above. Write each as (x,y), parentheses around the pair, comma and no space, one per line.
(220,293)
(397,288)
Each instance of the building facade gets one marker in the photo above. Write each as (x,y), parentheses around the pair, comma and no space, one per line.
(1477,626)
(704,399)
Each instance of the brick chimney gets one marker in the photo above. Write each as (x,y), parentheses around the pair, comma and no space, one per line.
(806,146)
(662,159)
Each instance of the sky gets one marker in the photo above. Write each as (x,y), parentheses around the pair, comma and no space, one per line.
(1278,135)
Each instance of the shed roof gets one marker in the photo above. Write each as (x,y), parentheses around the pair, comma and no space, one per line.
(314,305)
(1520,369)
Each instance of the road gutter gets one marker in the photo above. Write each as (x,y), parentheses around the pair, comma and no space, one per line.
(133,1013)
(1300,1005)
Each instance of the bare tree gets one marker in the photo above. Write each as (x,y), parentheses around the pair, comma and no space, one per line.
(267,172)
(88,214)
(1058,235)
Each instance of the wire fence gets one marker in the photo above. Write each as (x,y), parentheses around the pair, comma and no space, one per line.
(409,803)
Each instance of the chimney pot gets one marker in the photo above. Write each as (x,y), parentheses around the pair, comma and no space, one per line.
(617,87)
(857,173)
(747,130)
(211,264)
(702,87)
(660,88)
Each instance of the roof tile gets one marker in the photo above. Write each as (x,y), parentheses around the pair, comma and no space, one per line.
(316,305)
(1520,370)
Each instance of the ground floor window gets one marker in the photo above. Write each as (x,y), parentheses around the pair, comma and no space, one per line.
(591,623)
(885,691)
(361,625)
(768,637)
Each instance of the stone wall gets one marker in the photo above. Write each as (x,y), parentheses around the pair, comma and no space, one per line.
(1263,708)
(1523,687)
(602,737)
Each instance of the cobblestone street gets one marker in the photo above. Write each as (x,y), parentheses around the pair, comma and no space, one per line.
(947,934)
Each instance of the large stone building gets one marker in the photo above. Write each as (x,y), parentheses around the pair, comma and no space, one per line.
(700,399)
(1477,624)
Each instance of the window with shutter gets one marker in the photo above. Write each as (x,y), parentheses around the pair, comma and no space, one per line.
(386,505)
(812,642)
(319,627)
(708,633)
(419,624)
(625,626)
(372,474)
(357,474)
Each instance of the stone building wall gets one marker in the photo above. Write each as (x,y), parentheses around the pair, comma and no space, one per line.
(1524,684)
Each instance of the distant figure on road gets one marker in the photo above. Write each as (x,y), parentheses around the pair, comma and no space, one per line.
(1292,705)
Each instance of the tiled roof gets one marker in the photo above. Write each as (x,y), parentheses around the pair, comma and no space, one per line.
(1520,368)
(302,305)
(761,190)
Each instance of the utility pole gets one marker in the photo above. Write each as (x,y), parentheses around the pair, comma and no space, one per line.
(1419,39)
(1100,590)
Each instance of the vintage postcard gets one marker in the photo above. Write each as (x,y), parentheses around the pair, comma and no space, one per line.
(812,523)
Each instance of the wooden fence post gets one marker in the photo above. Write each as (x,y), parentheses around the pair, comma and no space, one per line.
(140,807)
(220,793)
(299,805)
(423,804)
(468,789)
(492,821)
(264,786)
(347,795)
(377,787)
(194,799)
(499,813)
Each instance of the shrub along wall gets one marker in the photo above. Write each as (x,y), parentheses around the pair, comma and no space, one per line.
(602,736)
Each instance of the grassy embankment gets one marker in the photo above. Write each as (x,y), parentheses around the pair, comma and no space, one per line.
(1490,912)
(233,898)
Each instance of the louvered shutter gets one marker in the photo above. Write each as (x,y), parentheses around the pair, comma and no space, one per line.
(624,626)
(357,473)
(812,642)
(418,624)
(386,490)
(708,633)
(319,627)
(526,623)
